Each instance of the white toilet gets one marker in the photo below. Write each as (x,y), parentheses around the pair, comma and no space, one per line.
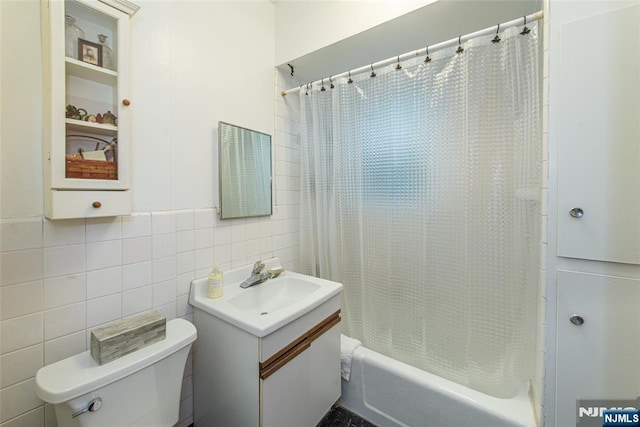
(139,389)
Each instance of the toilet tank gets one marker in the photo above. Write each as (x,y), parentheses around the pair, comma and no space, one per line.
(139,389)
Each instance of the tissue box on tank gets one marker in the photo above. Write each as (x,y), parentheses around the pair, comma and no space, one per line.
(126,336)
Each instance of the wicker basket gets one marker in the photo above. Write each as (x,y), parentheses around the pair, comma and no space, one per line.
(91,169)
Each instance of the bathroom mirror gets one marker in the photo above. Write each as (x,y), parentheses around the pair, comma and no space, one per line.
(245,172)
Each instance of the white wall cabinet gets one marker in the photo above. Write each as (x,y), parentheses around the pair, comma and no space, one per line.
(599,138)
(291,377)
(87,107)
(599,358)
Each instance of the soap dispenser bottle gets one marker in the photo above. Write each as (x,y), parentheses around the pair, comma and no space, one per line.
(214,289)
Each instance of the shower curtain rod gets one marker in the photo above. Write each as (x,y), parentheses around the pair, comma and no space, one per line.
(430,49)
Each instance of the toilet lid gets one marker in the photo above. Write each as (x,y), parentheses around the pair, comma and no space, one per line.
(80,374)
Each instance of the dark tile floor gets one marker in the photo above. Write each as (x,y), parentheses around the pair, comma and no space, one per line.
(340,417)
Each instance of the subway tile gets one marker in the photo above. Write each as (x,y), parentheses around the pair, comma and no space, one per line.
(32,418)
(266,246)
(61,260)
(222,236)
(238,232)
(20,266)
(63,290)
(239,251)
(50,416)
(21,332)
(137,300)
(203,218)
(64,320)
(104,254)
(64,232)
(20,365)
(203,238)
(18,399)
(163,222)
(253,249)
(21,234)
(185,220)
(266,229)
(185,262)
(63,347)
(253,228)
(137,225)
(186,408)
(101,229)
(164,269)
(136,249)
(164,245)
(104,282)
(164,292)
(104,309)
(183,282)
(204,258)
(185,241)
(19,300)
(182,306)
(136,275)
(168,310)
(222,255)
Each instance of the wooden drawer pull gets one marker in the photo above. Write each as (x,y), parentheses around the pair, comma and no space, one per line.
(96,204)
(297,346)
(126,102)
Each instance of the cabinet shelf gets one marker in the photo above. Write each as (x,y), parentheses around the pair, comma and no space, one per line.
(90,127)
(90,72)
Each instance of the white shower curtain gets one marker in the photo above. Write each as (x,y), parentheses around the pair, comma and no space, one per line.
(420,193)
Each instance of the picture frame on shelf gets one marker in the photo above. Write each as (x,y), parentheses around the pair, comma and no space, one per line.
(90,52)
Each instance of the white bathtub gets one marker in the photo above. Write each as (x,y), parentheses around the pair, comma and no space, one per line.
(391,393)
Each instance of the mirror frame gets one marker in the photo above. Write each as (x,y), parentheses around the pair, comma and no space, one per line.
(220,174)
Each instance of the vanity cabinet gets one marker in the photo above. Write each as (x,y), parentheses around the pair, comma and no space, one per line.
(87,114)
(290,377)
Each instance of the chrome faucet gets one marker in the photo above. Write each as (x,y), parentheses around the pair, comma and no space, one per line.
(257,275)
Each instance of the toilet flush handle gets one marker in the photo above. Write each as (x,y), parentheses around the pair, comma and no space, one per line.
(92,406)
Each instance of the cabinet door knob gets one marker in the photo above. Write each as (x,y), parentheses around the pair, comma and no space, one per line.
(576,212)
(96,204)
(576,320)
(126,102)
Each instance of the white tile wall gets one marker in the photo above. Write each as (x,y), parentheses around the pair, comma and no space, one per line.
(60,279)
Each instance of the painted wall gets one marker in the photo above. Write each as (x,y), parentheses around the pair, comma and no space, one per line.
(305,26)
(194,63)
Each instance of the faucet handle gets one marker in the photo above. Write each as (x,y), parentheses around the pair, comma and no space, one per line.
(258,267)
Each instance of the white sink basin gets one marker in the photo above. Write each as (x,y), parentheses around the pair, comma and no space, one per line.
(274,295)
(264,308)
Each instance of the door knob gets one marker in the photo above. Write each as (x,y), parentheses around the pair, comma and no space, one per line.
(576,212)
(576,320)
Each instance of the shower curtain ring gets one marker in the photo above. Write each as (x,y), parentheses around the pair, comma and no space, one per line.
(525,30)
(398,66)
(322,89)
(331,81)
(497,38)
(460,48)
(427,59)
(307,92)
(349,81)
(372,73)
